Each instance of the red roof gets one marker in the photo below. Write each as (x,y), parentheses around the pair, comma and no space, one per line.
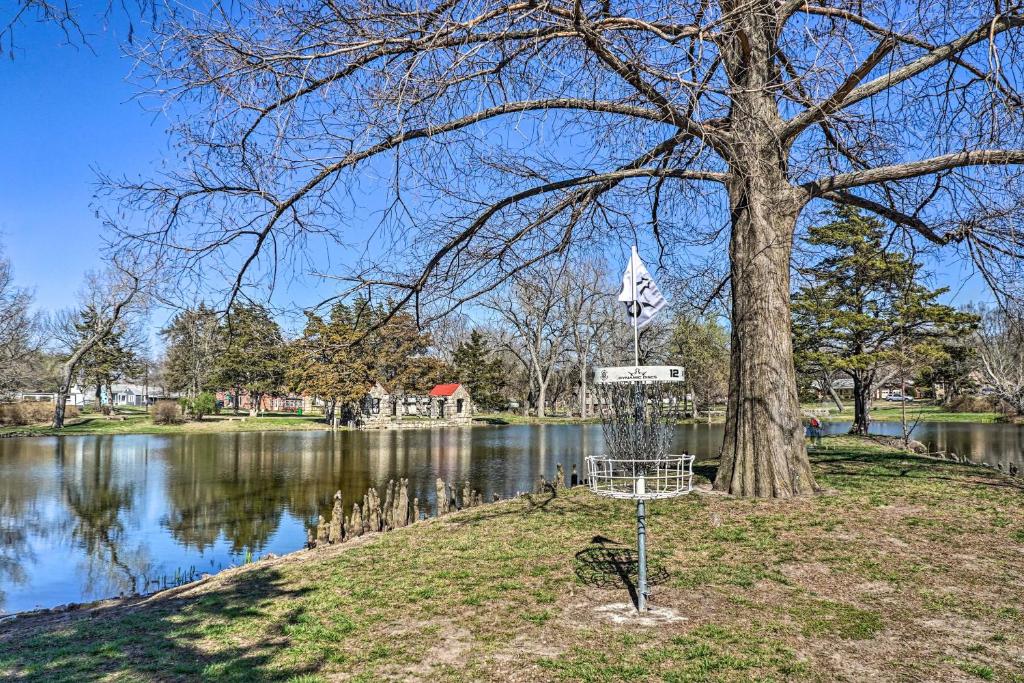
(444,389)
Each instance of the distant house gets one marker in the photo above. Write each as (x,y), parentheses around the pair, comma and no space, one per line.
(376,409)
(843,387)
(287,403)
(76,397)
(451,402)
(135,395)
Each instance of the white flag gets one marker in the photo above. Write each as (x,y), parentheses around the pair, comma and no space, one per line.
(642,297)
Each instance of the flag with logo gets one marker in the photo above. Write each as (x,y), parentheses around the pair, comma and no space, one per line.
(642,297)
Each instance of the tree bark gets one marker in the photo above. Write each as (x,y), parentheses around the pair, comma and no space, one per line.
(60,409)
(861,404)
(763,453)
(542,391)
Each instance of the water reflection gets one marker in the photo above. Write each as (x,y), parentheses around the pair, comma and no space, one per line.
(994,444)
(88,517)
(101,483)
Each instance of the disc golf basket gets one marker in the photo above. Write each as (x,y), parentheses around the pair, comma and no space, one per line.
(636,412)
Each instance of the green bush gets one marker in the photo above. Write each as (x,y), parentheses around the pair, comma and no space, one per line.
(203,404)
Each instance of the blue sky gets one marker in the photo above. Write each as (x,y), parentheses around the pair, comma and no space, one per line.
(68,111)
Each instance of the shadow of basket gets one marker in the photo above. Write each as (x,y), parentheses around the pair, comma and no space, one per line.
(610,565)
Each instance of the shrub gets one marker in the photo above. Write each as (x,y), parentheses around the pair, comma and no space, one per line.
(971,404)
(166,413)
(31,412)
(203,404)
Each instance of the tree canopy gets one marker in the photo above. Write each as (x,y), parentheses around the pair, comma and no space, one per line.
(480,369)
(865,310)
(253,358)
(192,341)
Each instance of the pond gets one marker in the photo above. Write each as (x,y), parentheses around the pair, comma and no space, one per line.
(89,517)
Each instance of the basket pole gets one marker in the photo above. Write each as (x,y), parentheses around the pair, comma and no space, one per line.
(641,553)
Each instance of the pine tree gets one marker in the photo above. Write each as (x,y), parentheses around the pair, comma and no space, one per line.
(865,311)
(326,361)
(193,338)
(111,359)
(480,370)
(253,359)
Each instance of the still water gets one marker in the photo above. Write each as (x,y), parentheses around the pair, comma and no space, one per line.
(88,517)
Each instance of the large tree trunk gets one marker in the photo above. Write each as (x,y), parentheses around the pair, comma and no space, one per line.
(67,373)
(763,453)
(861,405)
(60,409)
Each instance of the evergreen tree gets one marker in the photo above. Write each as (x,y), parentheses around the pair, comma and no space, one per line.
(192,339)
(953,370)
(254,357)
(397,349)
(865,311)
(111,359)
(480,370)
(326,362)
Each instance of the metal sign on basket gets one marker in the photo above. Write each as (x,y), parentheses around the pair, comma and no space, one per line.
(639,373)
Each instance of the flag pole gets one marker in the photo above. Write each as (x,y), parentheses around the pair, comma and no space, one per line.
(633,258)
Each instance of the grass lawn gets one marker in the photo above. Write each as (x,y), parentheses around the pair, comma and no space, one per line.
(141,423)
(906,569)
(916,411)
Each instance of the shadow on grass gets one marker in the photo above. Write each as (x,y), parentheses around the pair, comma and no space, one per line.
(608,564)
(706,470)
(530,503)
(896,465)
(160,639)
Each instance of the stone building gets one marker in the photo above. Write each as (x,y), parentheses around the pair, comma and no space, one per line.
(377,408)
(451,402)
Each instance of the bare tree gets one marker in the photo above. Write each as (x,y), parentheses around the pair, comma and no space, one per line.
(999,342)
(510,130)
(586,295)
(532,307)
(66,17)
(106,301)
(19,328)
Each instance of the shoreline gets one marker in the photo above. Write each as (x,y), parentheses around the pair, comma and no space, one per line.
(141,423)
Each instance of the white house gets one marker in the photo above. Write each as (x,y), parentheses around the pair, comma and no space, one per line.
(76,397)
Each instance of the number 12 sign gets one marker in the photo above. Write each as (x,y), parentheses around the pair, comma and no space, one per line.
(639,373)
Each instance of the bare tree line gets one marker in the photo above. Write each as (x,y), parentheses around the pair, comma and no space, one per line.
(557,321)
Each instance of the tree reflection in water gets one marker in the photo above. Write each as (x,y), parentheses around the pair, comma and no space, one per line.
(226,488)
(100,494)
